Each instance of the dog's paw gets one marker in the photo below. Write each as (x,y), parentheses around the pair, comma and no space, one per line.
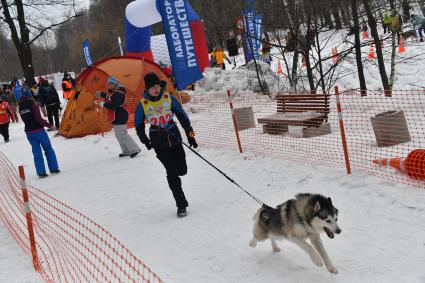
(276,249)
(253,243)
(315,258)
(331,269)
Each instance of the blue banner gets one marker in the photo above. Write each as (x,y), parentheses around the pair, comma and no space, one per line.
(253,31)
(176,15)
(86,52)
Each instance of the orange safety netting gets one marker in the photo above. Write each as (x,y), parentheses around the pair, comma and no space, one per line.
(69,246)
(306,128)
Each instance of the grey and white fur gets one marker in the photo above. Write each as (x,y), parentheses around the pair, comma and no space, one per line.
(296,220)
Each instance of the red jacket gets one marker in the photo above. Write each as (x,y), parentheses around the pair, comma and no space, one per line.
(5,112)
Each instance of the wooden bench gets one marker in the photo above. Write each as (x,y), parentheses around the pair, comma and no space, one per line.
(306,110)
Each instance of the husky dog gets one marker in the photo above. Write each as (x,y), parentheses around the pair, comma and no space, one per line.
(297,219)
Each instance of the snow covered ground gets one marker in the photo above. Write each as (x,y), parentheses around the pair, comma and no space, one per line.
(408,68)
(382,238)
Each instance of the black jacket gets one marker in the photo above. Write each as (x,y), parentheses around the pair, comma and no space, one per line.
(48,95)
(115,102)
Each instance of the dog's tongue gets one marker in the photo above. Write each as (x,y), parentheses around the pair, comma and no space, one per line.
(329,233)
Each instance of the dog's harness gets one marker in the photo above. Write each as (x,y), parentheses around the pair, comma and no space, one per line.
(269,214)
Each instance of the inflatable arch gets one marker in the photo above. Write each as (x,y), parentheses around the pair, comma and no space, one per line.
(184,31)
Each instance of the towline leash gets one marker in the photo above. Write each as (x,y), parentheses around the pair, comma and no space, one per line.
(227,177)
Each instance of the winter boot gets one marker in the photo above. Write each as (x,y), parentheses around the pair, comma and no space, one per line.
(122,155)
(181,212)
(57,171)
(134,154)
(41,176)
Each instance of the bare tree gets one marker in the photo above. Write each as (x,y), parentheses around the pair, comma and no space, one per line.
(28,20)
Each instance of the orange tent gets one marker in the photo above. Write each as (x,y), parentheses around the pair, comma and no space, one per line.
(82,117)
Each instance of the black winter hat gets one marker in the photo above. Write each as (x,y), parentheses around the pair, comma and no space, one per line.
(152,79)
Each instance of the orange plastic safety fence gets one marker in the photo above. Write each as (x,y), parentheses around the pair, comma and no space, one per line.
(264,128)
(383,128)
(70,247)
(306,128)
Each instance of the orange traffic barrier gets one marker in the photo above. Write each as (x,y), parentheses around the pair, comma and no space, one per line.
(371,55)
(365,34)
(401,48)
(279,68)
(413,164)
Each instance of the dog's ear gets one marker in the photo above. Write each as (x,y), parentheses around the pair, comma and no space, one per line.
(317,206)
(330,201)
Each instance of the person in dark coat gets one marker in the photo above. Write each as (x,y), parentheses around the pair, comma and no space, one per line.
(49,98)
(114,102)
(36,135)
(158,107)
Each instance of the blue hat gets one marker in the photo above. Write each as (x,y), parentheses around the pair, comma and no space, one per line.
(112,80)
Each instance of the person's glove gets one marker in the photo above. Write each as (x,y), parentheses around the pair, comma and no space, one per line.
(191,138)
(146,141)
(53,128)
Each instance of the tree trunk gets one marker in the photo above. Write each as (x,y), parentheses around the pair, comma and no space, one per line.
(307,56)
(294,76)
(328,21)
(393,51)
(25,57)
(319,58)
(357,46)
(377,41)
(22,45)
(337,18)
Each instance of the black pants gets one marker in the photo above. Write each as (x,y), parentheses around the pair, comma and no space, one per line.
(174,161)
(53,112)
(4,131)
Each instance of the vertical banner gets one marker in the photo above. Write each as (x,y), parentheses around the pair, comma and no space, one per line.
(252,34)
(180,41)
(86,52)
(258,29)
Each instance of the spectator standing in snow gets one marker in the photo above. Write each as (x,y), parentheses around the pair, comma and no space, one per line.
(114,100)
(219,58)
(365,30)
(10,98)
(5,116)
(36,135)
(396,24)
(49,99)
(158,107)
(17,89)
(68,85)
(419,21)
(386,22)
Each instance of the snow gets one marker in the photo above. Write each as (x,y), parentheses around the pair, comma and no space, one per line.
(382,237)
(408,68)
